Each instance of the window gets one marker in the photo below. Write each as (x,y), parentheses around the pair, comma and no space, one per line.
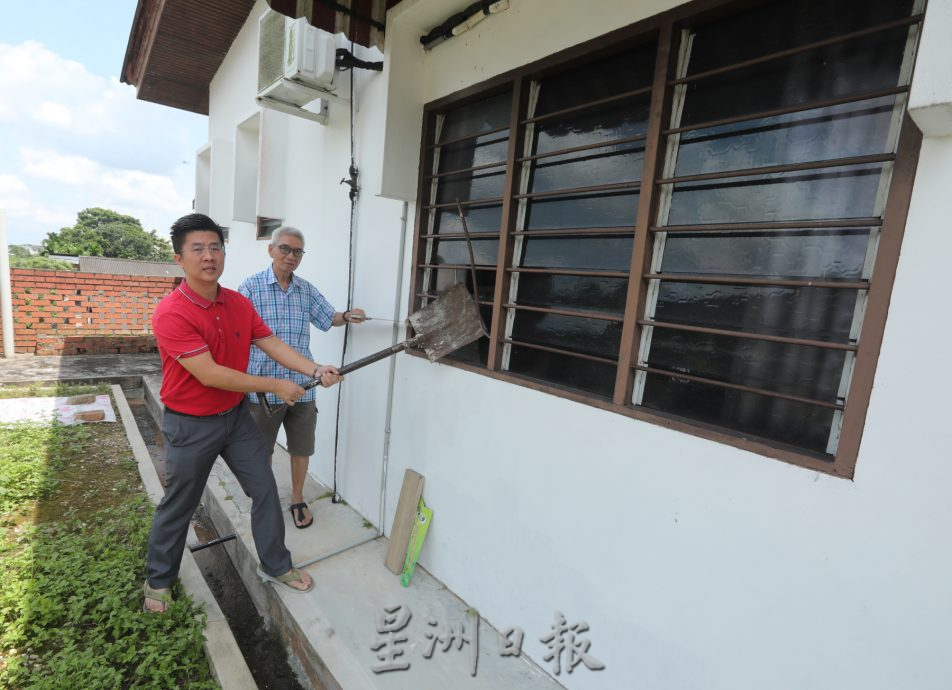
(697,225)
(265,227)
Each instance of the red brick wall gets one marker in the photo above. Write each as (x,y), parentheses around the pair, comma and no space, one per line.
(65,312)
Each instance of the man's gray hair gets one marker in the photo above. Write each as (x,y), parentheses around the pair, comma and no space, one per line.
(286,230)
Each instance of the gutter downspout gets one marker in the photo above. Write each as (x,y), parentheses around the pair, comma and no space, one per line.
(6,299)
(397,323)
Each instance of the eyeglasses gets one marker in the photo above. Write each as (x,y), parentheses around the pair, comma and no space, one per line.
(200,249)
(285,250)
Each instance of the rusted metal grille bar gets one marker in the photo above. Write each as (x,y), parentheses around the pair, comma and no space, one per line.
(739,387)
(748,335)
(806,47)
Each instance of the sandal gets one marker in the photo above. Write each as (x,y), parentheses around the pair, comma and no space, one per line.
(293,575)
(297,514)
(163,596)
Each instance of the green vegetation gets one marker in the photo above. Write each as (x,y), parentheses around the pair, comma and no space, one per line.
(101,232)
(73,529)
(20,257)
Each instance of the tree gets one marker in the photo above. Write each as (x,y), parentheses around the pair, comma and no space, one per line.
(18,251)
(101,232)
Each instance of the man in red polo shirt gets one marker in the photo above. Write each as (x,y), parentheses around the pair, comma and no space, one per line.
(204,333)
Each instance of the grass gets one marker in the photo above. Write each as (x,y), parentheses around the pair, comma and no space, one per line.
(74,522)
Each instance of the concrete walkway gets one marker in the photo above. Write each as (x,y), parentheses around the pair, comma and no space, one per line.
(124,370)
(331,630)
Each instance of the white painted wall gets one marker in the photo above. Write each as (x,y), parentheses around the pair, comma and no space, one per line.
(697,565)
(316,158)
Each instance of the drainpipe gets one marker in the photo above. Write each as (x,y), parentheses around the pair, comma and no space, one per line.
(6,300)
(397,324)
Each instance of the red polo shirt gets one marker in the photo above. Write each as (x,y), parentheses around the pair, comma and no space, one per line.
(186,324)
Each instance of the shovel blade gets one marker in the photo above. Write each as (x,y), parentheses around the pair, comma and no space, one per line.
(447,323)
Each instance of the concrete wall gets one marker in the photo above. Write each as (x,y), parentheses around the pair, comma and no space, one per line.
(696,565)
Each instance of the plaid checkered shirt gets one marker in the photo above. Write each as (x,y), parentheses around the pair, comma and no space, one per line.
(288,314)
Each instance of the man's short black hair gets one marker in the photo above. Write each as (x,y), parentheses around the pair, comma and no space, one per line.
(191,223)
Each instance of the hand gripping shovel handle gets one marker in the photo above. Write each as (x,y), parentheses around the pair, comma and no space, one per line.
(346,369)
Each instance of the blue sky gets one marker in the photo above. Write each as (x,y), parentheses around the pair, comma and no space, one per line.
(72,136)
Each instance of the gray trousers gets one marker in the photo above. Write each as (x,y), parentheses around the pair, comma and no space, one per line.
(191,446)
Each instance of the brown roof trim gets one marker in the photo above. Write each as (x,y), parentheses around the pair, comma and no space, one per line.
(176,46)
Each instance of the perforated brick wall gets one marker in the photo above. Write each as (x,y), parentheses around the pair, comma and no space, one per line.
(69,313)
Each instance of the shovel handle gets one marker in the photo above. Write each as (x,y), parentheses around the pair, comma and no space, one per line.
(268,410)
(377,356)
(346,369)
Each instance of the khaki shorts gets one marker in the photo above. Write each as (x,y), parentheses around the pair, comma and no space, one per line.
(300,422)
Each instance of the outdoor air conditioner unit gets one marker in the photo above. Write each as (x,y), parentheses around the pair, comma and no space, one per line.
(296,66)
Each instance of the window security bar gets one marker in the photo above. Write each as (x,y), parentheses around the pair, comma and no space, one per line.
(739,387)
(789,167)
(805,48)
(584,147)
(603,316)
(468,137)
(761,282)
(769,226)
(749,335)
(560,351)
(789,110)
(618,97)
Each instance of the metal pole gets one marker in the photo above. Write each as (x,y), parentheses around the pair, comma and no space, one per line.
(6,299)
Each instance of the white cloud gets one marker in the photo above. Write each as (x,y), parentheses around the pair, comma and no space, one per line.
(10,186)
(56,167)
(72,140)
(55,114)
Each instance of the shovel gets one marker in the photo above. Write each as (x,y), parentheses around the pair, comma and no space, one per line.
(444,325)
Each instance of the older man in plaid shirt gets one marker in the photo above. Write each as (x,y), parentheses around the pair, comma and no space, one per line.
(288,304)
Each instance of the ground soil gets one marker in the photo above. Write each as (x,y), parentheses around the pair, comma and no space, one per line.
(262,649)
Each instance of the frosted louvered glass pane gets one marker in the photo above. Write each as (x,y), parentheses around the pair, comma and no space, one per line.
(809,372)
(603,210)
(588,252)
(868,63)
(493,148)
(478,219)
(592,126)
(844,192)
(456,252)
(445,278)
(772,27)
(483,184)
(583,169)
(824,314)
(586,293)
(563,370)
(478,117)
(593,81)
(830,254)
(588,336)
(805,426)
(852,129)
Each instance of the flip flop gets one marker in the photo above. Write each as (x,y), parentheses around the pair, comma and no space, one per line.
(295,574)
(161,595)
(297,514)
